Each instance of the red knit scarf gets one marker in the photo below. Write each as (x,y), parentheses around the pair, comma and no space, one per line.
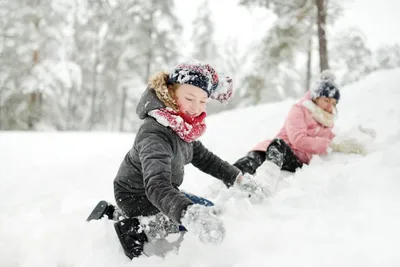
(186,127)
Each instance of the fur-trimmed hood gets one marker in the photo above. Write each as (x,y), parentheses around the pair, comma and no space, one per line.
(156,96)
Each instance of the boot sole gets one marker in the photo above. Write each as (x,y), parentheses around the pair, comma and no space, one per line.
(99,211)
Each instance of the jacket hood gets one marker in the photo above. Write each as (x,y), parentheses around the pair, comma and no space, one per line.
(148,102)
(306,97)
(155,96)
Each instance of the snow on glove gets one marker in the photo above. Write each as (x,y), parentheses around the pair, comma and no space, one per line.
(348,146)
(248,184)
(204,222)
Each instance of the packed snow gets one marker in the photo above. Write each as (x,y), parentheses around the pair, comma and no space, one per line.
(341,210)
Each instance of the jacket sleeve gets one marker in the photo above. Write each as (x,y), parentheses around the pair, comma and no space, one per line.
(296,130)
(155,154)
(211,164)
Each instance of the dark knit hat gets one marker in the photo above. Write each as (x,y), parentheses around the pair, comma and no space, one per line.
(204,76)
(326,86)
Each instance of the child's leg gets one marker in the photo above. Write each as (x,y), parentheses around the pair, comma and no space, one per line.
(291,162)
(132,205)
(276,152)
(282,155)
(133,233)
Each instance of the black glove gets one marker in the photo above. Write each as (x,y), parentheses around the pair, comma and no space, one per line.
(250,162)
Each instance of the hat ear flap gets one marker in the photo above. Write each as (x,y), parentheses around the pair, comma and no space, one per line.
(224,90)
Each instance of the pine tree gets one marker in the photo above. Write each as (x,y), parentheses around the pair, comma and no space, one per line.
(388,56)
(205,48)
(289,37)
(34,48)
(351,58)
(81,64)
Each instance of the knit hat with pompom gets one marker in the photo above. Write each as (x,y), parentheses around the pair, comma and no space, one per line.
(326,86)
(193,72)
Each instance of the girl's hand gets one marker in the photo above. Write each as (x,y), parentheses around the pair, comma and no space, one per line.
(348,146)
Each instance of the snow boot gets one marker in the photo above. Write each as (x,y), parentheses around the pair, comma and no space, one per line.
(103,208)
(131,237)
(282,155)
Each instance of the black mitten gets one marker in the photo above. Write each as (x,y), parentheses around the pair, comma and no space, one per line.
(250,162)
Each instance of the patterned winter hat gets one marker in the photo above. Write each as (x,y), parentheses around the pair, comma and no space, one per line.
(196,73)
(326,86)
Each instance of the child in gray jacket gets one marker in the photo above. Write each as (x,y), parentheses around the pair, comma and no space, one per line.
(173,111)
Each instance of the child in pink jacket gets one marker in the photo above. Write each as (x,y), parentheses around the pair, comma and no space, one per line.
(307,131)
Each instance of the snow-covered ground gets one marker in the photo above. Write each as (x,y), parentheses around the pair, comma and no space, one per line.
(341,210)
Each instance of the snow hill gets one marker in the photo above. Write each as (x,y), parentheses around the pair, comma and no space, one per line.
(341,210)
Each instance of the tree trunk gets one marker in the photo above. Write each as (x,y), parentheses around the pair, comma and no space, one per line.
(149,54)
(123,108)
(68,118)
(1,114)
(34,99)
(321,23)
(114,120)
(93,117)
(148,67)
(309,60)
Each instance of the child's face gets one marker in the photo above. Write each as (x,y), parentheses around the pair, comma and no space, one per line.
(191,99)
(326,103)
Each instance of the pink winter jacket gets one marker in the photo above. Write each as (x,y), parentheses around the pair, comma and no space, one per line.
(303,133)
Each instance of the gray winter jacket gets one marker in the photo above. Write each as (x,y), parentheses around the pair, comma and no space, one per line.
(151,172)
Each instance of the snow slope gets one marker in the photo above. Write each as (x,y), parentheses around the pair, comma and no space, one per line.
(341,210)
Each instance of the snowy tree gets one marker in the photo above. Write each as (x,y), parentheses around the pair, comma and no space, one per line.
(117,46)
(278,51)
(232,62)
(141,38)
(289,37)
(351,58)
(303,15)
(35,40)
(388,56)
(205,48)
(81,64)
(158,30)
(152,47)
